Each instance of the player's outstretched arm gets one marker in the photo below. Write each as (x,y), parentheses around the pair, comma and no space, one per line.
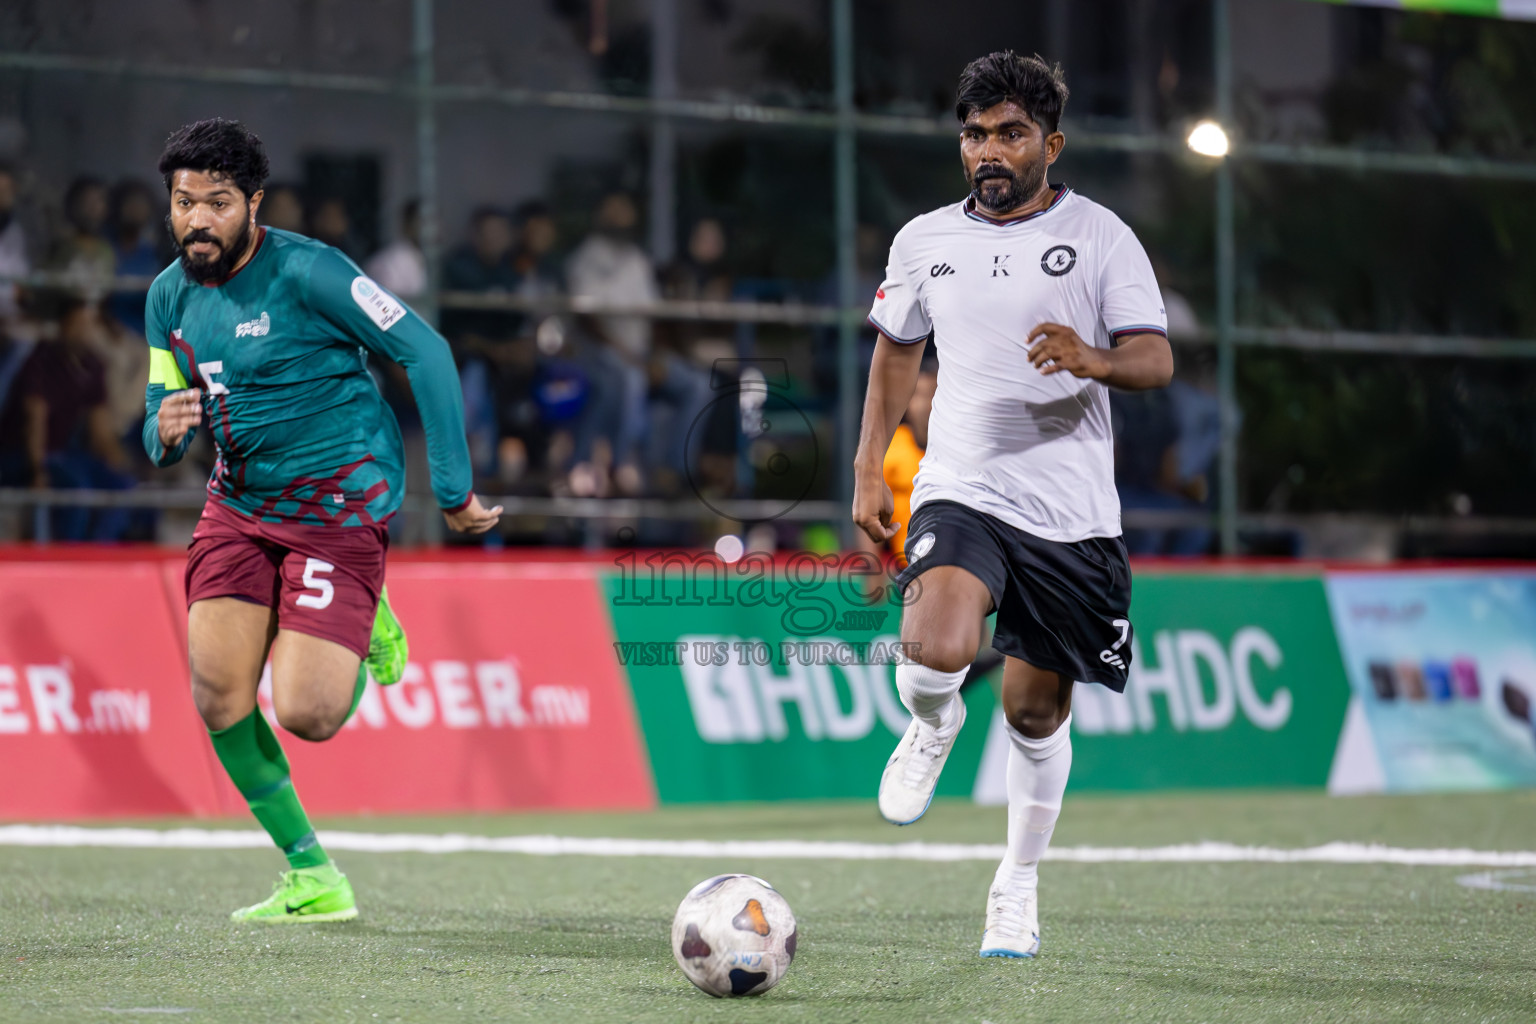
(345,296)
(892,379)
(1137,363)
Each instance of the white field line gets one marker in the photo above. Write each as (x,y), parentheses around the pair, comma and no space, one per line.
(773,849)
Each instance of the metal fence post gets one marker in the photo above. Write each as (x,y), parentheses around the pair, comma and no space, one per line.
(845,198)
(1226,285)
(662,214)
(426,185)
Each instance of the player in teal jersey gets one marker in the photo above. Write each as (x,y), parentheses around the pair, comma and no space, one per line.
(264,334)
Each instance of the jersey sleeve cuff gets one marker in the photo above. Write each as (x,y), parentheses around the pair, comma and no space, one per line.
(1121,332)
(461,506)
(877,325)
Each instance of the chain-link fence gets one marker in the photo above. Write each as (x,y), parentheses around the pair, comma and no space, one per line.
(1346,287)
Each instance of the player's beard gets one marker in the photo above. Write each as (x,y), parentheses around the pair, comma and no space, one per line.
(217,268)
(1021,187)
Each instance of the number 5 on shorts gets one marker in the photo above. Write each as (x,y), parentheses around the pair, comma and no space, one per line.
(312,581)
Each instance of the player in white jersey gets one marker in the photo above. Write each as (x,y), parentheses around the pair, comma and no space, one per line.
(1038,301)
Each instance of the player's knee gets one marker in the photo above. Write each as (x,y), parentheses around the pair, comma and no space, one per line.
(1033,715)
(216,701)
(311,723)
(945,654)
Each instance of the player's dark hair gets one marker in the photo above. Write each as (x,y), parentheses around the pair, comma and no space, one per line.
(216,146)
(1036,86)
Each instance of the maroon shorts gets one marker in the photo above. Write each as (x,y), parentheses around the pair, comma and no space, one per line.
(324,581)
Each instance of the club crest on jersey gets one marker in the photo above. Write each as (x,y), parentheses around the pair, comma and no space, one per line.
(921,547)
(380,306)
(257,328)
(1058,259)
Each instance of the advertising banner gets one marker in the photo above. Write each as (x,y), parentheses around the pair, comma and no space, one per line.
(1234,681)
(770,685)
(1442,669)
(511,699)
(96,716)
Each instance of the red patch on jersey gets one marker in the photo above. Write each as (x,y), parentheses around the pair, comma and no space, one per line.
(879,293)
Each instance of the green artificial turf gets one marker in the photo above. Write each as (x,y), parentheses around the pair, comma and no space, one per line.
(141,935)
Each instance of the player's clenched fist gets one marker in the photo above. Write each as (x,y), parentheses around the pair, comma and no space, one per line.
(473,518)
(873,507)
(1054,348)
(180,412)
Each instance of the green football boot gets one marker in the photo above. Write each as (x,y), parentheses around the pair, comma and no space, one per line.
(387,647)
(304,896)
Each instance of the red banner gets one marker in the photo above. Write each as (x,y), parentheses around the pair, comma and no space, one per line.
(96,716)
(512,699)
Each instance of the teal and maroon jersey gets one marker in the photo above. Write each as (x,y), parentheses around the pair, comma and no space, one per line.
(278,350)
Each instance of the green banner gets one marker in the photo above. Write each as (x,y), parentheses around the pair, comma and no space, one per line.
(770,687)
(1235,681)
(1518,10)
(765,689)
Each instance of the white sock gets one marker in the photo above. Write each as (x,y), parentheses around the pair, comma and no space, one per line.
(929,695)
(1037,779)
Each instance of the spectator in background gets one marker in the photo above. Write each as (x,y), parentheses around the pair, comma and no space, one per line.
(332,224)
(81,251)
(532,260)
(702,275)
(1166,441)
(578,396)
(871,245)
(14,261)
(132,234)
(400,267)
(56,428)
(482,338)
(1150,475)
(663,393)
(283,208)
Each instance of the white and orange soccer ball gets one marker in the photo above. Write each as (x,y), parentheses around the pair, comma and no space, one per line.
(734,935)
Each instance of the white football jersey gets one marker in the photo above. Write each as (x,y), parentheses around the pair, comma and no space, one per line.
(1035,451)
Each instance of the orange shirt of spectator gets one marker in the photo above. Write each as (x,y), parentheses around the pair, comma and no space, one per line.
(906,451)
(901,460)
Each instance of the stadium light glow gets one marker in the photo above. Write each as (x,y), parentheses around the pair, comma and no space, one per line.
(1209,139)
(729,548)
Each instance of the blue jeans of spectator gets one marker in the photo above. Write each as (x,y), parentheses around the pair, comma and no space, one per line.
(480,425)
(678,400)
(617,392)
(76,469)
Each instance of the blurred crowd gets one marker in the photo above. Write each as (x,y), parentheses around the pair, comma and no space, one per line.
(589,406)
(556,403)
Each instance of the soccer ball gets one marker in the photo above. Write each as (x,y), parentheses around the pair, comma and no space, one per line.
(734,935)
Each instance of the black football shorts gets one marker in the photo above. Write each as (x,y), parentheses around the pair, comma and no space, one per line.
(1063,607)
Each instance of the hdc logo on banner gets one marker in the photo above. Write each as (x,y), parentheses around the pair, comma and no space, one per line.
(1233,682)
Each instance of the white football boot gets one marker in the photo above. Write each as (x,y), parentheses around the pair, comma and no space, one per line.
(1013,921)
(906,787)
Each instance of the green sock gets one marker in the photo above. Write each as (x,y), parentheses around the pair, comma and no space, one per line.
(357,690)
(256,765)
